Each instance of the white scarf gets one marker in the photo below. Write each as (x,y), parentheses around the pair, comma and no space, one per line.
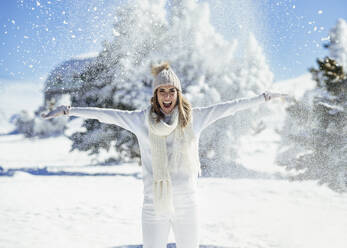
(184,153)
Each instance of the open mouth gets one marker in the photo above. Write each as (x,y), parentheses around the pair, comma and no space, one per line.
(167,104)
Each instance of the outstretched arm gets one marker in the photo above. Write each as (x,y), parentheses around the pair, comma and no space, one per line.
(205,116)
(130,120)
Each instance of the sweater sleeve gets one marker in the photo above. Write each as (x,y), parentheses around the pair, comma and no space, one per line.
(204,116)
(133,121)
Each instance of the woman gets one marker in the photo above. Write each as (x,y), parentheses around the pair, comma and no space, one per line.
(168,133)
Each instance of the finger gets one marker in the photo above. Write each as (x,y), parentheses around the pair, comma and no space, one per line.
(46,116)
(51,114)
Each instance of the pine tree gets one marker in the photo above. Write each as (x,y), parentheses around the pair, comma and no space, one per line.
(119,78)
(249,76)
(314,138)
(338,43)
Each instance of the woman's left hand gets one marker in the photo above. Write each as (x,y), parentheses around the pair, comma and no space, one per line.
(59,111)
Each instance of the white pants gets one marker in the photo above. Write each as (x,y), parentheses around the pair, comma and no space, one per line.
(184,223)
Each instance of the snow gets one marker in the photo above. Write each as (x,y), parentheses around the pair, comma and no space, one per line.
(70,211)
(79,203)
(95,211)
(295,87)
(259,151)
(253,155)
(30,153)
(271,213)
(338,42)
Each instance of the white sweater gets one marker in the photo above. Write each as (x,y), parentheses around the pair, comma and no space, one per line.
(134,121)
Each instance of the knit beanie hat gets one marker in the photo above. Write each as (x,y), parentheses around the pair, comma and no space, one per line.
(164,75)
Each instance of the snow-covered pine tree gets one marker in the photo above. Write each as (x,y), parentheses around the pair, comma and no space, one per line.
(178,31)
(61,85)
(314,140)
(246,77)
(338,43)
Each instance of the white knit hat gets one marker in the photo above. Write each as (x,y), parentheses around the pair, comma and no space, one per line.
(164,75)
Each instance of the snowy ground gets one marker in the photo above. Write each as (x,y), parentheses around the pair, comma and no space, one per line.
(78,203)
(103,210)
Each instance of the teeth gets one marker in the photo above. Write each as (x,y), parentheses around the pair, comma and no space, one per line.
(167,104)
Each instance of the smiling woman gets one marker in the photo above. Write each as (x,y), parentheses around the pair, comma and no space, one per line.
(168,133)
(168,94)
(165,87)
(167,98)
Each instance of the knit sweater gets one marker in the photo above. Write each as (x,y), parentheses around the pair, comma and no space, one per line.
(135,122)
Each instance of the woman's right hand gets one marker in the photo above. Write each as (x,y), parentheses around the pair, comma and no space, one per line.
(59,111)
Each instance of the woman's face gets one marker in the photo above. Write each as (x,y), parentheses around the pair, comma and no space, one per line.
(167,98)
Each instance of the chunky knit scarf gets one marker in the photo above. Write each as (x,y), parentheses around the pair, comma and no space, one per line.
(185,154)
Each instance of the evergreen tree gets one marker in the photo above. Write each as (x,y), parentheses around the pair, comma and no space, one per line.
(248,76)
(338,43)
(314,138)
(119,78)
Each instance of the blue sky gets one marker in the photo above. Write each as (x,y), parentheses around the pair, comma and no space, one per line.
(36,35)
